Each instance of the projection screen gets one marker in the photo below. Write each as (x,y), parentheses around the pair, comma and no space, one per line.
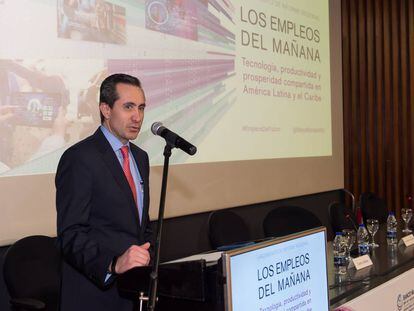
(255,85)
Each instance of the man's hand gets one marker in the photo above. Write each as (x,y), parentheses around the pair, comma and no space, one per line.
(135,256)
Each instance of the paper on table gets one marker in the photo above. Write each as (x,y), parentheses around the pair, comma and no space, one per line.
(206,256)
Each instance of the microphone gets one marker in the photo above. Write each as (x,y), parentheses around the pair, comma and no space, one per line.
(351,220)
(172,138)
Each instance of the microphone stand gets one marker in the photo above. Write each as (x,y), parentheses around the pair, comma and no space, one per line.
(354,210)
(154,273)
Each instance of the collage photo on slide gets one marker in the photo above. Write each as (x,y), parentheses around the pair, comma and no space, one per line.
(49,103)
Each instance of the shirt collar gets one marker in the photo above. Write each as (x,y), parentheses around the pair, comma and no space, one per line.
(115,143)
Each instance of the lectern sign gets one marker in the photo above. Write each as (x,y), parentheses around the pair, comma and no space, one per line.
(282,274)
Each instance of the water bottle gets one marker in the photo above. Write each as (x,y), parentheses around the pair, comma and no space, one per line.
(392,254)
(363,240)
(339,253)
(391,229)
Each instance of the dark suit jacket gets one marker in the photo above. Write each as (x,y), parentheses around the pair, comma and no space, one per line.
(97,219)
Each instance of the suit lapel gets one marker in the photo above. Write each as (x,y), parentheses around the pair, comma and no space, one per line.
(112,162)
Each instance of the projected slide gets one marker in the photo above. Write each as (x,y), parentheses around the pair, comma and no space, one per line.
(241,80)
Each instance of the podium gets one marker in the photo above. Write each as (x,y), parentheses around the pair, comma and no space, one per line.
(187,285)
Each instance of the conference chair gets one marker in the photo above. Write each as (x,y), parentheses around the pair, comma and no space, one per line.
(226,228)
(373,207)
(341,217)
(32,274)
(285,220)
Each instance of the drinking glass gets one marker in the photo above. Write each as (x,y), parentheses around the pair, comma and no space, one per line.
(373,226)
(406,215)
(350,236)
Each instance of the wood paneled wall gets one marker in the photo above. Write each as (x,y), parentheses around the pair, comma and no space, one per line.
(378,93)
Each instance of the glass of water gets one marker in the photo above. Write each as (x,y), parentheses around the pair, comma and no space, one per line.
(350,236)
(406,215)
(373,226)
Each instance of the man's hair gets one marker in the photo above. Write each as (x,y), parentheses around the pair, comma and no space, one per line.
(108,93)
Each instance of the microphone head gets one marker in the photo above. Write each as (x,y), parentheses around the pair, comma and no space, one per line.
(156,127)
(192,150)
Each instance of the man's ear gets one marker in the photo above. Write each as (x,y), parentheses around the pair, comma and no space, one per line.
(105,110)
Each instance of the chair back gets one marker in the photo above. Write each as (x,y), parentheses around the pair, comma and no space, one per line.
(226,228)
(285,220)
(372,206)
(32,271)
(342,217)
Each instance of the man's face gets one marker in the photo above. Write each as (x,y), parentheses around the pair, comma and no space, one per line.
(125,118)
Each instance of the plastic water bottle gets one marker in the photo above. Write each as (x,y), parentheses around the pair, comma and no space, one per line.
(391,229)
(392,254)
(339,253)
(363,240)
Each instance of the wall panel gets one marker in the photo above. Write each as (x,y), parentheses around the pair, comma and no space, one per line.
(378,49)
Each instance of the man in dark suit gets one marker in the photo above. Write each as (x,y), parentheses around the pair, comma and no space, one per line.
(102,200)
